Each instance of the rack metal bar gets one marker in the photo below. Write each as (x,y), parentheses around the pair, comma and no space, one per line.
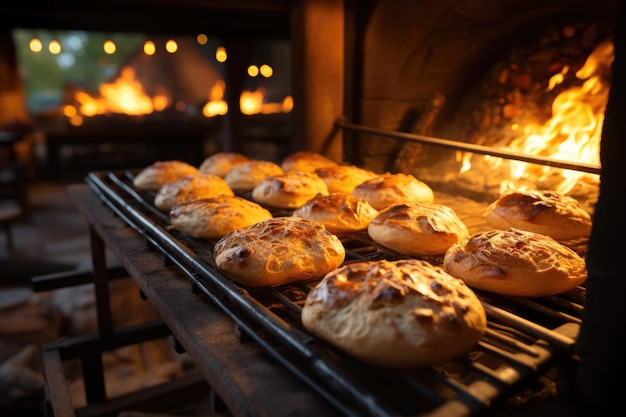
(473,148)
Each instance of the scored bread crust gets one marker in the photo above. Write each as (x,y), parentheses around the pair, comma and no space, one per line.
(221,163)
(154,176)
(289,190)
(278,251)
(558,216)
(388,189)
(340,213)
(515,262)
(305,161)
(215,217)
(189,188)
(398,314)
(417,229)
(244,177)
(344,178)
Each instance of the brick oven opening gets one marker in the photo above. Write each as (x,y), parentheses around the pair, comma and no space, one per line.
(487,73)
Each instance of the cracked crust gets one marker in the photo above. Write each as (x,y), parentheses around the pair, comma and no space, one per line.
(398,314)
(558,216)
(417,229)
(154,176)
(278,251)
(515,262)
(388,189)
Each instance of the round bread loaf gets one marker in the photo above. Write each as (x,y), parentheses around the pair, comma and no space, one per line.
(215,217)
(343,178)
(244,177)
(340,213)
(289,190)
(154,176)
(417,229)
(305,161)
(546,212)
(515,262)
(189,188)
(388,189)
(221,163)
(278,251)
(399,314)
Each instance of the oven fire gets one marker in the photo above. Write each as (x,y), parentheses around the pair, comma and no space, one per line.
(126,95)
(572,134)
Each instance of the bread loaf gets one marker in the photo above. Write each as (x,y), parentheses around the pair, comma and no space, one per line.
(340,213)
(215,217)
(417,229)
(154,176)
(343,178)
(289,190)
(388,189)
(305,161)
(189,188)
(515,262)
(546,212)
(244,177)
(278,251)
(221,163)
(400,314)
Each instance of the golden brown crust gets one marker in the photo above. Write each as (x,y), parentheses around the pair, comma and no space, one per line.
(546,212)
(399,314)
(305,161)
(515,262)
(343,178)
(289,190)
(340,213)
(220,163)
(154,176)
(244,177)
(388,189)
(417,229)
(215,217)
(189,188)
(278,251)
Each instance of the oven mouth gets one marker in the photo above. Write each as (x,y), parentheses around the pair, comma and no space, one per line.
(525,336)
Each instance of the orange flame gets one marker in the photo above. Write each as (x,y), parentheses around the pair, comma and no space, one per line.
(574,131)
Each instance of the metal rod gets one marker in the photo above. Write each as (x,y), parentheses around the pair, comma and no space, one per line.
(468,147)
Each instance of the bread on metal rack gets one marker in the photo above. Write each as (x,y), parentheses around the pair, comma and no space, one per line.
(278,251)
(399,314)
(547,212)
(515,262)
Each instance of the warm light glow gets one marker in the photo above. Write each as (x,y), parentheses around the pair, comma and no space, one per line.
(253,70)
(251,102)
(574,131)
(76,120)
(149,48)
(202,39)
(266,70)
(216,106)
(54,47)
(171,46)
(35,45)
(69,111)
(220,54)
(125,95)
(287,104)
(109,47)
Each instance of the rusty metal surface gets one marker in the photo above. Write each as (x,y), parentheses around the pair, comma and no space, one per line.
(524,338)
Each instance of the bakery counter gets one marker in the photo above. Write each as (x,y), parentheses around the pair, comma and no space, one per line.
(239,373)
